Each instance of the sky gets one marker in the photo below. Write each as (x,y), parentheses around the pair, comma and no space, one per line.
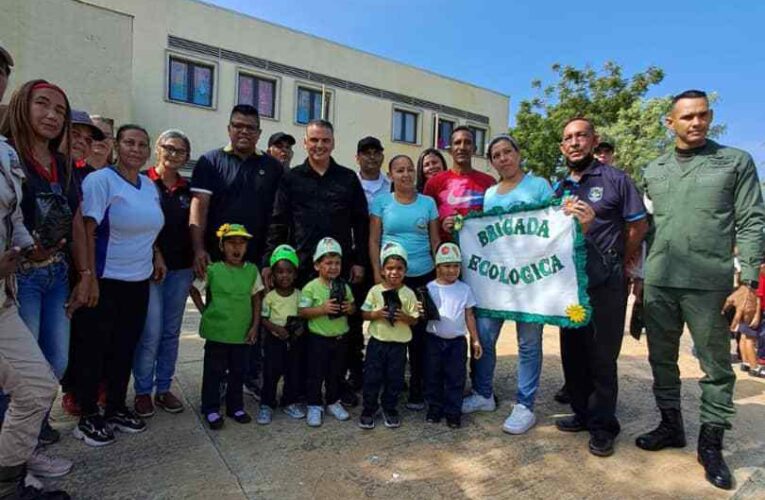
(503,45)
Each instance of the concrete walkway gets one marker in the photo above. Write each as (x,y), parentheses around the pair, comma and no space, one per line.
(179,458)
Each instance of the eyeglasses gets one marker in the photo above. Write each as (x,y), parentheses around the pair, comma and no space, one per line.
(243,127)
(172,151)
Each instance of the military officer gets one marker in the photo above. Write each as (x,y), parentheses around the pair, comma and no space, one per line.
(705,197)
(589,353)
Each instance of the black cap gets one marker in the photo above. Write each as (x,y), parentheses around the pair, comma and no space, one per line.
(604,145)
(369,143)
(279,137)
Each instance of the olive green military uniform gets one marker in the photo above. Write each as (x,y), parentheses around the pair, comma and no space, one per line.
(702,204)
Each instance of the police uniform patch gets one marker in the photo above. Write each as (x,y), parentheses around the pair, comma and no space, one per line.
(595,194)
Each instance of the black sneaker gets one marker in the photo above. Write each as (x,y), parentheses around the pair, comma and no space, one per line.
(453,421)
(367,419)
(126,420)
(240,416)
(30,488)
(93,431)
(570,424)
(48,435)
(433,417)
(214,421)
(391,419)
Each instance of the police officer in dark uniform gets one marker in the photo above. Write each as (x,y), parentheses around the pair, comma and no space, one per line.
(613,238)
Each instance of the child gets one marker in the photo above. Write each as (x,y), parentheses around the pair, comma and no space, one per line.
(229,322)
(327,325)
(446,349)
(754,333)
(282,343)
(391,309)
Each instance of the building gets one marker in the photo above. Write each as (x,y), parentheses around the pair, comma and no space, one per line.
(184,64)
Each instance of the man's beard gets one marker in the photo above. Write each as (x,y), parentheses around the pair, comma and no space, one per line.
(579,165)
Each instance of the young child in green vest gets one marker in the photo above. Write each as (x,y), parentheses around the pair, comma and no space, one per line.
(391,309)
(327,328)
(282,337)
(230,320)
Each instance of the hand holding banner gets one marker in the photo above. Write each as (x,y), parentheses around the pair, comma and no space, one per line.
(526,264)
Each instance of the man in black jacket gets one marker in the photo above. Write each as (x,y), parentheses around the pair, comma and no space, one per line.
(318,199)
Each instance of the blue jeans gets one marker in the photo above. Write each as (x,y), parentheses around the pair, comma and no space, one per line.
(529,359)
(157,350)
(42,294)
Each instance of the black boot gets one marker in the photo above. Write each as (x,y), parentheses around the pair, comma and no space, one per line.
(710,456)
(669,434)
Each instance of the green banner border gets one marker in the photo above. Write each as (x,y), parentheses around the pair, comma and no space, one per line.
(580,261)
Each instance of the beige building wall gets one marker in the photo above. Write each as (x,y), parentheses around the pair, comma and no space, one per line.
(143,26)
(84,49)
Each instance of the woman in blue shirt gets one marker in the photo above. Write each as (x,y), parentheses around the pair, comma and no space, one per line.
(515,187)
(410,219)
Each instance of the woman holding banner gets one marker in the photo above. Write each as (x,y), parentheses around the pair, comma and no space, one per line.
(515,187)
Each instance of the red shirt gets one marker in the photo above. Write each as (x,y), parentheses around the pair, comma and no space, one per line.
(761,291)
(458,193)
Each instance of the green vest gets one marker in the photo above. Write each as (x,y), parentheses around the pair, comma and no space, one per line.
(228,315)
(701,208)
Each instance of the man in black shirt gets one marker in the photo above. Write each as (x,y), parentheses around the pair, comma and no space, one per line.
(318,199)
(235,185)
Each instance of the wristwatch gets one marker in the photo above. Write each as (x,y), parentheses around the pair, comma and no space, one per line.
(754,285)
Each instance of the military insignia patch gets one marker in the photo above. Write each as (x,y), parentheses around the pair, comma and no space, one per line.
(595,194)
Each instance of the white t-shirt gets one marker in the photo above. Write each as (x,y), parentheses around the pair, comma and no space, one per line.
(374,188)
(451,301)
(129,218)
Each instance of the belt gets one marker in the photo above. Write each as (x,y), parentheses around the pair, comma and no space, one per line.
(36,264)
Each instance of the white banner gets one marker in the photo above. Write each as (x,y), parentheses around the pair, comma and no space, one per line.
(526,264)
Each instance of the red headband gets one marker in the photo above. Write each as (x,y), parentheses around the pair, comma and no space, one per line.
(46,85)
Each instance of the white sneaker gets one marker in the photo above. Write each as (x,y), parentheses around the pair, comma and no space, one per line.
(520,420)
(42,465)
(476,402)
(314,417)
(337,411)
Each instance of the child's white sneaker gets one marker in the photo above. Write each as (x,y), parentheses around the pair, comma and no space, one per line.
(265,414)
(314,417)
(337,411)
(520,420)
(294,411)
(475,402)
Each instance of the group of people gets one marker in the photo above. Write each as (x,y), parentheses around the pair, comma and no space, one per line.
(287,263)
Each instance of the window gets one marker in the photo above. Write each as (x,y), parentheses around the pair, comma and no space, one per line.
(309,105)
(444,132)
(190,82)
(479,138)
(404,126)
(258,92)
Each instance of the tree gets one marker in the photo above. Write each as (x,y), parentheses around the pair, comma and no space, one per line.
(639,133)
(613,103)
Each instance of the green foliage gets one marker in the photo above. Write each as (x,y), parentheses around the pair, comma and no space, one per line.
(613,102)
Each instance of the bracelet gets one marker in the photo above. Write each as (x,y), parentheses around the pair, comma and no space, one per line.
(85,271)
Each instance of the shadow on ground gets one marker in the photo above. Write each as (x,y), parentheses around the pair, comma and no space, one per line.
(179,458)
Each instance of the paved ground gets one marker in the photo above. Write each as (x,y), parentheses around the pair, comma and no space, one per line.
(179,458)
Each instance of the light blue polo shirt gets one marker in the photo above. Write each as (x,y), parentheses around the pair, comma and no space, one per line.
(407,225)
(530,190)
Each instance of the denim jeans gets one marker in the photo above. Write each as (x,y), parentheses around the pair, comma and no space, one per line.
(157,350)
(529,359)
(42,294)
